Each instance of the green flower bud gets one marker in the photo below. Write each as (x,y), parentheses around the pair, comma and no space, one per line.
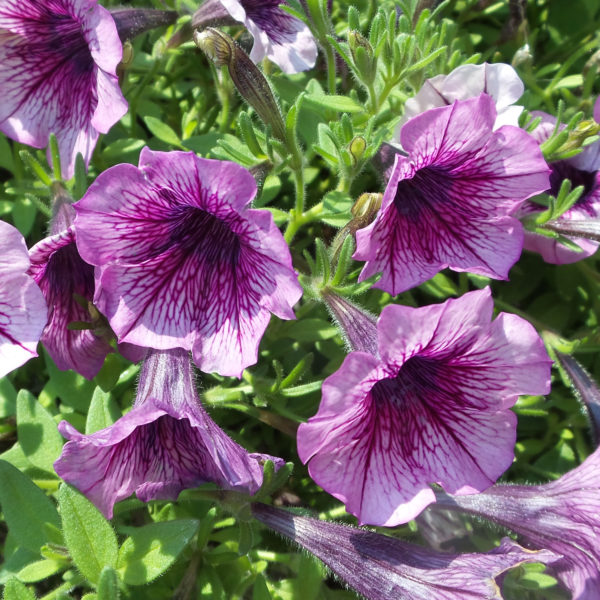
(246,76)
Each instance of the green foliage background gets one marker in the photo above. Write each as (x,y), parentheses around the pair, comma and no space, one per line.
(53,543)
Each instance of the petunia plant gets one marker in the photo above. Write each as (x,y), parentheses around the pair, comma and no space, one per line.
(291,291)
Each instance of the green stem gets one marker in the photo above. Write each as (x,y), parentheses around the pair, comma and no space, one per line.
(344,184)
(373,100)
(298,212)
(330,59)
(133,101)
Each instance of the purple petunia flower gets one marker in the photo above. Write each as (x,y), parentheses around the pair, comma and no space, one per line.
(66,280)
(165,444)
(183,262)
(561,516)
(498,80)
(582,169)
(431,406)
(449,202)
(382,568)
(23,311)
(57,74)
(282,38)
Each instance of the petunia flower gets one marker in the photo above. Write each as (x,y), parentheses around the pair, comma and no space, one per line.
(23,311)
(282,38)
(431,406)
(582,169)
(449,202)
(66,281)
(498,80)
(165,444)
(381,567)
(57,75)
(183,261)
(560,516)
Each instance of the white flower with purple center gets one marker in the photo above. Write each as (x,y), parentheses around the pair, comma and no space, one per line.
(432,406)
(498,80)
(165,444)
(57,75)
(183,262)
(582,169)
(278,36)
(23,311)
(449,202)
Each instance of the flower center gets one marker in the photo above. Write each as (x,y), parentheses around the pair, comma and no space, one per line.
(65,38)
(415,381)
(196,231)
(419,194)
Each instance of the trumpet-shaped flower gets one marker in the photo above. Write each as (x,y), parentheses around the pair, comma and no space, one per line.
(582,169)
(382,567)
(57,74)
(183,262)
(165,444)
(449,202)
(432,406)
(561,516)
(498,80)
(66,282)
(282,38)
(23,311)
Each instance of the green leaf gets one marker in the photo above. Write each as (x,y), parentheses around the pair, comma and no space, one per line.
(26,508)
(70,387)
(330,102)
(23,213)
(41,569)
(15,590)
(260,591)
(38,435)
(162,131)
(8,398)
(91,541)
(104,411)
(152,549)
(108,585)
(122,147)
(6,158)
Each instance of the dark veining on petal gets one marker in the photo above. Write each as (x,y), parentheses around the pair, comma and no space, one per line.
(416,379)
(421,193)
(277,24)
(196,231)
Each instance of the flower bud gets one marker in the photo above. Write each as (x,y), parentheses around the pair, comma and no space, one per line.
(246,76)
(364,58)
(131,22)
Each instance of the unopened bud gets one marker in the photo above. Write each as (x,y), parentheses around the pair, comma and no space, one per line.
(131,22)
(357,148)
(246,76)
(363,56)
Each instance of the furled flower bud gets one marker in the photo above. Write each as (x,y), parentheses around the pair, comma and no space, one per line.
(246,76)
(131,22)
(381,567)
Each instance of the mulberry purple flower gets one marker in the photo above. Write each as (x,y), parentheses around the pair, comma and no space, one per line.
(182,261)
(431,406)
(57,74)
(165,444)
